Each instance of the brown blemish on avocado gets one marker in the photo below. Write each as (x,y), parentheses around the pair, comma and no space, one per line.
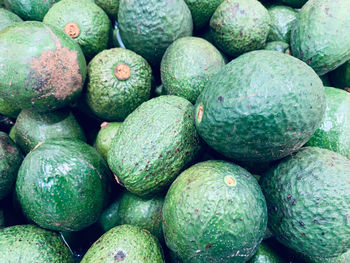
(122,71)
(10,149)
(72,30)
(120,256)
(104,124)
(200,113)
(230,181)
(38,145)
(117,179)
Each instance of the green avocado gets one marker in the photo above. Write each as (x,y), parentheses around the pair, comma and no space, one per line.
(109,217)
(8,109)
(308,200)
(41,67)
(84,21)
(126,243)
(10,161)
(8,18)
(239,26)
(292,3)
(118,81)
(320,35)
(278,46)
(334,132)
(148,27)
(32,128)
(155,143)
(266,254)
(245,114)
(343,258)
(187,65)
(206,215)
(105,137)
(32,244)
(63,185)
(340,77)
(111,7)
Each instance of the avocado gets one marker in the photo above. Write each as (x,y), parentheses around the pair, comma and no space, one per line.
(308,201)
(282,21)
(105,137)
(32,244)
(109,217)
(10,161)
(125,243)
(32,128)
(109,6)
(343,258)
(324,47)
(239,26)
(340,77)
(39,75)
(8,109)
(148,27)
(118,81)
(245,114)
(155,143)
(8,18)
(266,254)
(63,185)
(292,3)
(84,21)
(278,46)
(187,65)
(206,215)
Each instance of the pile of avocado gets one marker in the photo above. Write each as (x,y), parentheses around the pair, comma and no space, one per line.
(175,131)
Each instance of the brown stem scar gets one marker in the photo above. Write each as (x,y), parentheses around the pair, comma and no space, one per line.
(72,29)
(122,71)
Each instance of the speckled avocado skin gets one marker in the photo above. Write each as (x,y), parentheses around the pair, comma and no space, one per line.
(10,161)
(214,212)
(7,18)
(42,68)
(320,34)
(31,244)
(32,128)
(266,254)
(156,141)
(278,46)
(127,244)
(308,202)
(105,137)
(239,26)
(63,185)
(261,106)
(148,27)
(187,65)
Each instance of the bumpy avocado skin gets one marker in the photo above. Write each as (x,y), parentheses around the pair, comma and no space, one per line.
(156,141)
(278,46)
(111,7)
(282,20)
(63,185)
(308,200)
(111,98)
(32,244)
(343,258)
(42,68)
(334,132)
(7,18)
(32,128)
(239,26)
(105,137)
(187,65)
(126,243)
(92,21)
(148,27)
(207,216)
(10,161)
(245,114)
(266,254)
(320,34)
(8,109)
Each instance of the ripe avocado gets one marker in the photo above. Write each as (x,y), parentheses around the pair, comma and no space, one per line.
(105,137)
(8,18)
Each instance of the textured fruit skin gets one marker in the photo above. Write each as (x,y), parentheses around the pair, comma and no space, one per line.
(207,220)
(92,21)
(282,20)
(201,11)
(110,98)
(44,69)
(308,202)
(187,65)
(32,244)
(343,258)
(320,34)
(340,77)
(111,7)
(105,137)
(7,18)
(148,27)
(334,132)
(265,254)
(30,9)
(32,128)
(292,3)
(261,106)
(239,26)
(156,141)
(278,46)
(10,161)
(63,185)
(8,109)
(126,243)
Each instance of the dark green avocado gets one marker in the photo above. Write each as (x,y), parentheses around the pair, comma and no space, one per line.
(8,109)
(266,254)
(105,137)
(8,18)
(109,217)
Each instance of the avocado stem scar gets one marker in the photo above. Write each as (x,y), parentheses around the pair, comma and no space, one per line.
(122,71)
(72,30)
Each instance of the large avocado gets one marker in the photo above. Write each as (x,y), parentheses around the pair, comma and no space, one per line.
(320,36)
(207,216)
(148,27)
(308,202)
(155,142)
(41,67)
(7,18)
(261,106)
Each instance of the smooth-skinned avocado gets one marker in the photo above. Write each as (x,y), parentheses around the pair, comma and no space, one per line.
(7,18)
(39,75)
(308,202)
(105,137)
(207,216)
(247,114)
